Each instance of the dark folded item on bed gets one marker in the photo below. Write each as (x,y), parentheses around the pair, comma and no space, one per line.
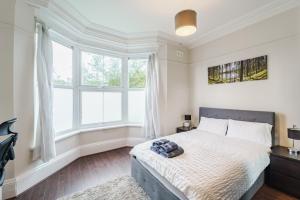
(166,148)
(156,149)
(174,153)
(160,142)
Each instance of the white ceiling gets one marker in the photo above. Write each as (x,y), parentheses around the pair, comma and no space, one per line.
(140,16)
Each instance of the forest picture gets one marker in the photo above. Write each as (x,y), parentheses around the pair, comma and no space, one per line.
(245,70)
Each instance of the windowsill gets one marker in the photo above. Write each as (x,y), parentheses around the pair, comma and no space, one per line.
(84,130)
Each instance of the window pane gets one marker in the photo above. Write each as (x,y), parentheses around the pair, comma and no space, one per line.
(137,72)
(136,106)
(112,71)
(92,107)
(62,109)
(91,69)
(62,64)
(112,106)
(98,71)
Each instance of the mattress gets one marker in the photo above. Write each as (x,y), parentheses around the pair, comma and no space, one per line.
(212,167)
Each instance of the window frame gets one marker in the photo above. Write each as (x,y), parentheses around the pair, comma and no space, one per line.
(78,88)
(86,88)
(71,87)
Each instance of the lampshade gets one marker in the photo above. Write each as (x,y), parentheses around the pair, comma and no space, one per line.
(185,23)
(187,117)
(294,133)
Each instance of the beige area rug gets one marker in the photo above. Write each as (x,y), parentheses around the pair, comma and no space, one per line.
(123,188)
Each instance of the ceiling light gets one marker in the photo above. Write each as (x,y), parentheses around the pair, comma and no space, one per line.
(185,23)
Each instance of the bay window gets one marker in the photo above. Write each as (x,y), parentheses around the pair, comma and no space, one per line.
(95,89)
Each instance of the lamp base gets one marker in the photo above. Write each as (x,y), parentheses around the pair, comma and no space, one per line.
(187,124)
(293,150)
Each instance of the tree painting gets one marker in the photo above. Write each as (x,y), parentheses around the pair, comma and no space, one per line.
(245,70)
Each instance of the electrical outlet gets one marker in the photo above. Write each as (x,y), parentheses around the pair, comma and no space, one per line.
(179,53)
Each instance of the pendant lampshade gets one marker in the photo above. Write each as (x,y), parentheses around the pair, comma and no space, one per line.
(185,22)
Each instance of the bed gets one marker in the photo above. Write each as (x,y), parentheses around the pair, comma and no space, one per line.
(160,183)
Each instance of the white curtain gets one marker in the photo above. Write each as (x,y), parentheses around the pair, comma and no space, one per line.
(152,119)
(44,144)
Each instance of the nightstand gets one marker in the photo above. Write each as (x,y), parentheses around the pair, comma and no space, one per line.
(284,171)
(183,129)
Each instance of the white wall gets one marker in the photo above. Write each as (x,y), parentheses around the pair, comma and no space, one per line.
(174,86)
(6,59)
(7,11)
(23,83)
(277,37)
(177,87)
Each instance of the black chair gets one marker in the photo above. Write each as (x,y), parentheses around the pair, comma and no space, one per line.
(6,146)
(5,128)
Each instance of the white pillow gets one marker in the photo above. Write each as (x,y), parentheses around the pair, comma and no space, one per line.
(212,125)
(256,132)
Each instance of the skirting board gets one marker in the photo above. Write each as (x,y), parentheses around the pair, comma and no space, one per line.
(15,186)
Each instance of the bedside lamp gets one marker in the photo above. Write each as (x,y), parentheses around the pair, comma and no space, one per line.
(187,122)
(294,133)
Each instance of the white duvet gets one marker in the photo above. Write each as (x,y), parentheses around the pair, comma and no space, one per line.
(212,166)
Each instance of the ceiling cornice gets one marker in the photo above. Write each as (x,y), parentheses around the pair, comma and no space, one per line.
(92,28)
(260,14)
(78,33)
(66,8)
(65,22)
(66,19)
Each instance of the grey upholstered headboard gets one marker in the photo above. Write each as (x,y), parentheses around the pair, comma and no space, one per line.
(242,115)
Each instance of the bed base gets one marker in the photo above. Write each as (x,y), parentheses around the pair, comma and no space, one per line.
(157,191)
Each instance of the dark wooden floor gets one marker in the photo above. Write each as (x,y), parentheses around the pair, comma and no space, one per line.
(98,168)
